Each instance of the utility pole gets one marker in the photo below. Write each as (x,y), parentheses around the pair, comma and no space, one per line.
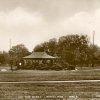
(11,62)
(10,43)
(93,37)
(93,50)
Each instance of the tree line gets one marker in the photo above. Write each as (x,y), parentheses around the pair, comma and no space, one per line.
(74,49)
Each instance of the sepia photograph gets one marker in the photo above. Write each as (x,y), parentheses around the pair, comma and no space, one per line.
(49,49)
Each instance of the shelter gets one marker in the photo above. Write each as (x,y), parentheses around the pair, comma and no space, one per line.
(38,58)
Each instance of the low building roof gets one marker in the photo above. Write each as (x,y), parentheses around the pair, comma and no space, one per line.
(39,55)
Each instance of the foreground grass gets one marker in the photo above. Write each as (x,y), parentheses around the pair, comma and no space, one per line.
(83,91)
(56,91)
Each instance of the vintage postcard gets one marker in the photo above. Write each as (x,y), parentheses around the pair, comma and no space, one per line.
(49,49)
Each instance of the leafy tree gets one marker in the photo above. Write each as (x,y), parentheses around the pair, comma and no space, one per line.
(49,47)
(52,46)
(73,47)
(2,59)
(93,54)
(38,48)
(43,47)
(6,57)
(17,52)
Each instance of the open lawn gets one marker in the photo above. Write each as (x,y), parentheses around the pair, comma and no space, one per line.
(34,75)
(49,91)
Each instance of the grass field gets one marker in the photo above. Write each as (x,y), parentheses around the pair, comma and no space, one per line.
(33,75)
(83,91)
(49,91)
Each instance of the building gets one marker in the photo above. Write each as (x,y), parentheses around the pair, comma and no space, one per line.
(37,59)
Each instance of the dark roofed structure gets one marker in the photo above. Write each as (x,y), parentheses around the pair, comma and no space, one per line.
(39,55)
(39,60)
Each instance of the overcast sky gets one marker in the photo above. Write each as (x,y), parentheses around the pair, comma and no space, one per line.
(31,22)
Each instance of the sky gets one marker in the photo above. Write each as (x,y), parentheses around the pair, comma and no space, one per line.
(31,22)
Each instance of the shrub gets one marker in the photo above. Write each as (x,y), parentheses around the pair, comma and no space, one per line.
(56,66)
(71,67)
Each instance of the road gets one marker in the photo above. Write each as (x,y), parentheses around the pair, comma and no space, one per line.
(77,81)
